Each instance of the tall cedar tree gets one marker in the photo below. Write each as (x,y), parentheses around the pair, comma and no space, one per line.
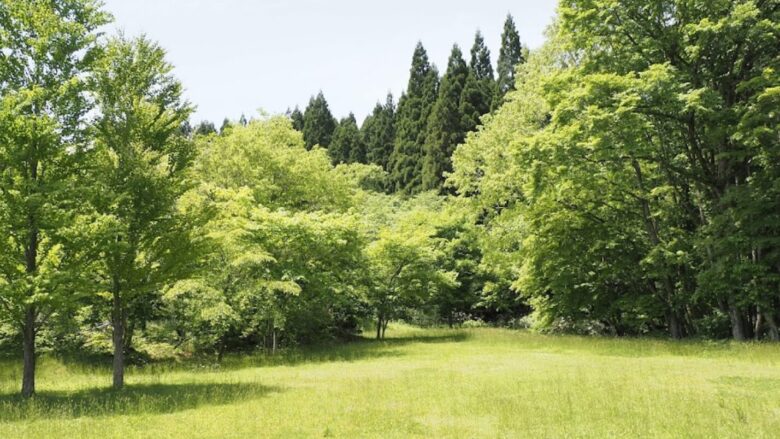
(414,109)
(347,146)
(318,123)
(479,91)
(225,128)
(205,128)
(510,56)
(141,163)
(48,47)
(297,119)
(445,127)
(378,133)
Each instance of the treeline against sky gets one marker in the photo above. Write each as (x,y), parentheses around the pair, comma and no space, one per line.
(622,179)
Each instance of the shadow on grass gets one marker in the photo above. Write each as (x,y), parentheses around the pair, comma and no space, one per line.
(358,349)
(134,399)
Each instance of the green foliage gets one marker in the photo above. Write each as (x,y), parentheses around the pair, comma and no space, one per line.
(629,170)
(480,88)
(378,133)
(205,128)
(510,56)
(280,243)
(404,260)
(414,109)
(318,123)
(347,145)
(141,159)
(297,119)
(445,125)
(48,48)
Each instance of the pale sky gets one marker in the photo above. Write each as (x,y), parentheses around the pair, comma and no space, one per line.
(239,56)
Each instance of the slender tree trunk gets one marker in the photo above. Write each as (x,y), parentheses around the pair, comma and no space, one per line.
(379,327)
(273,341)
(118,322)
(30,314)
(28,374)
(129,332)
(759,325)
(737,324)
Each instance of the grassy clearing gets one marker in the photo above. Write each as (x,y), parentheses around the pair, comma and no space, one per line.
(420,383)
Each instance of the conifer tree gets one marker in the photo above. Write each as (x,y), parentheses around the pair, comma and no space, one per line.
(479,91)
(225,128)
(414,108)
(378,133)
(480,62)
(445,127)
(510,56)
(297,119)
(318,122)
(205,128)
(346,146)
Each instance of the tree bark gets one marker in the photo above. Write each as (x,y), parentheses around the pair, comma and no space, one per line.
(758,326)
(118,322)
(28,374)
(737,324)
(30,314)
(772,331)
(379,328)
(675,326)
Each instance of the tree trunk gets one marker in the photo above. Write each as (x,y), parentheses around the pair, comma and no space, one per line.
(737,324)
(675,326)
(379,328)
(384,327)
(759,325)
(771,325)
(28,374)
(118,322)
(273,341)
(30,314)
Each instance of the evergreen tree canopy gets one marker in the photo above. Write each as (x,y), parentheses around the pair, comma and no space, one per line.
(510,56)
(318,123)
(347,146)
(414,108)
(205,128)
(378,133)
(480,59)
(297,119)
(226,123)
(480,89)
(445,128)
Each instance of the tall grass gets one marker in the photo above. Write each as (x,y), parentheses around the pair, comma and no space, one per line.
(418,383)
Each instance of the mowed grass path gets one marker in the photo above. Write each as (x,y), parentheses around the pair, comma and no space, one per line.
(476,383)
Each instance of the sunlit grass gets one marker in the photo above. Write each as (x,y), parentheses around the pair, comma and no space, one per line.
(419,383)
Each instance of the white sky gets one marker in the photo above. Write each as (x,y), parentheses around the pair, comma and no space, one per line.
(239,56)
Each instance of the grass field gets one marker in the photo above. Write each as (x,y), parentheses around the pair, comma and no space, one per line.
(476,383)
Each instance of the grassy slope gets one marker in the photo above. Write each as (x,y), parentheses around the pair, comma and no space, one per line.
(470,383)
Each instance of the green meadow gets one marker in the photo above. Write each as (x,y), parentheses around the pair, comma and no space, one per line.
(466,383)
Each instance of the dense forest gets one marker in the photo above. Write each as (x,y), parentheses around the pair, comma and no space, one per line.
(623,179)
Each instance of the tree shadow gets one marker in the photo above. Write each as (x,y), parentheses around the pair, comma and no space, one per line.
(356,350)
(134,399)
